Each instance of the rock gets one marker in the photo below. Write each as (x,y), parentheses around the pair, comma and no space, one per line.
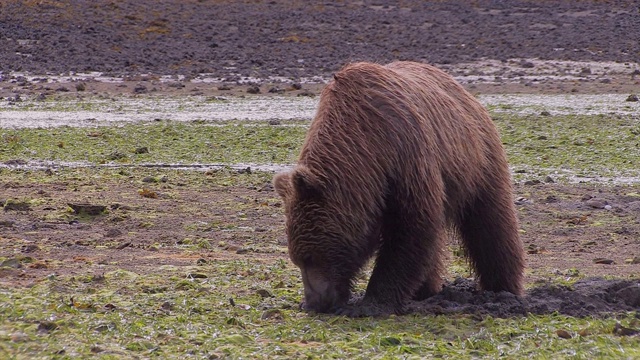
(116,155)
(140,89)
(12,205)
(532,182)
(535,249)
(633,261)
(264,293)
(633,97)
(14,162)
(11,263)
(633,206)
(19,337)
(274,122)
(276,90)
(620,330)
(253,89)
(81,86)
(272,314)
(29,248)
(307,93)
(596,203)
(6,223)
(197,276)
(123,245)
(545,113)
(87,209)
(111,233)
(176,85)
(603,261)
(47,326)
(549,180)
(527,64)
(551,199)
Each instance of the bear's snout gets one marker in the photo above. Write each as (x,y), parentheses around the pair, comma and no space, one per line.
(320,294)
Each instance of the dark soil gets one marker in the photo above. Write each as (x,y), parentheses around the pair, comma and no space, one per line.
(588,297)
(303,39)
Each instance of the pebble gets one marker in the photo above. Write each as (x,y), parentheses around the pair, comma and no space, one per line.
(603,261)
(596,204)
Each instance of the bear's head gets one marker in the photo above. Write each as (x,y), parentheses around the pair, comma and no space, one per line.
(317,240)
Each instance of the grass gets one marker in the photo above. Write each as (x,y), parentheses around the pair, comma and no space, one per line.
(244,309)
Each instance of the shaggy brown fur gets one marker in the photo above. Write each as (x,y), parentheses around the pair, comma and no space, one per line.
(395,156)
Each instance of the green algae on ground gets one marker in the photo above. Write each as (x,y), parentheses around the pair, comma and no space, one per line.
(563,146)
(595,145)
(164,142)
(243,309)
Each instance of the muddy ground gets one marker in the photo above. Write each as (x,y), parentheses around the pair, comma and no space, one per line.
(297,41)
(303,39)
(569,231)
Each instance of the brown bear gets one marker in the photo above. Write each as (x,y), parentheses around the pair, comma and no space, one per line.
(395,156)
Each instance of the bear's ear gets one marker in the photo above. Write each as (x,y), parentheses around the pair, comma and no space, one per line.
(282,184)
(306,184)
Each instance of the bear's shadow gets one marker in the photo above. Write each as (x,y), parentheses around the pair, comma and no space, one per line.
(586,297)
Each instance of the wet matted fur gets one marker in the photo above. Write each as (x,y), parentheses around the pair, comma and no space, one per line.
(394,157)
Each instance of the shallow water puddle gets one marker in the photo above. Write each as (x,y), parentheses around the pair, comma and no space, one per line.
(100,112)
(563,175)
(241,167)
(576,104)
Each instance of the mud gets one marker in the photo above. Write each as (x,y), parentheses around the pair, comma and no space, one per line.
(588,297)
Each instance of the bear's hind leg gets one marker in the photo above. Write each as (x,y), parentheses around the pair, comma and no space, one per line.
(489,231)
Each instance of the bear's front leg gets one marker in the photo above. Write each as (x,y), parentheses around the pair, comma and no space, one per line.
(408,258)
